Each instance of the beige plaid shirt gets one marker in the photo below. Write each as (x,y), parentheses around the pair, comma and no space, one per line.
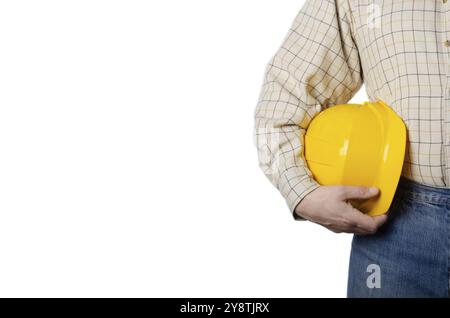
(400,50)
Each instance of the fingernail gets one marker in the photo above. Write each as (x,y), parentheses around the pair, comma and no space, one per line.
(373,190)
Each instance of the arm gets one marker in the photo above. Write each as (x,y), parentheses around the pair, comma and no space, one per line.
(316,66)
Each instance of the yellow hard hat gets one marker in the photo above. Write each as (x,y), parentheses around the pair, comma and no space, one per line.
(360,145)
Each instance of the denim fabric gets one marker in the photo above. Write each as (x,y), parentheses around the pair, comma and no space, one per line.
(411,250)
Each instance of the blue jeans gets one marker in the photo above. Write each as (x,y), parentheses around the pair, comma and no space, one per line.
(409,256)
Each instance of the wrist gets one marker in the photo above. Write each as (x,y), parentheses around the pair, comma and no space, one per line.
(302,208)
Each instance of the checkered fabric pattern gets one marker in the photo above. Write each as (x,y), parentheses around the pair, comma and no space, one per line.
(400,50)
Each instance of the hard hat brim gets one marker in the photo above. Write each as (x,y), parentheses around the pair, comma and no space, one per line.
(391,163)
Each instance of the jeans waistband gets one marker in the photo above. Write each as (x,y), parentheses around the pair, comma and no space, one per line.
(423,193)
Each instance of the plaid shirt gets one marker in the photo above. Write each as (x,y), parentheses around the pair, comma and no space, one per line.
(400,50)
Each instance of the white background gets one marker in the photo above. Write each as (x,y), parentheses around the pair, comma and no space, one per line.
(127,164)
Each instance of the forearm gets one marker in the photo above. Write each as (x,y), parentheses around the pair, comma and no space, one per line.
(317,66)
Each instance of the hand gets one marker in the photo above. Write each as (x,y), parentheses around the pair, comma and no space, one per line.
(329,207)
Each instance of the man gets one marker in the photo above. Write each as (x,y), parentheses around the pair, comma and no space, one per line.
(401,51)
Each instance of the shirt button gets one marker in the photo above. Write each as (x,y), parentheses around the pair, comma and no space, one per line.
(447,43)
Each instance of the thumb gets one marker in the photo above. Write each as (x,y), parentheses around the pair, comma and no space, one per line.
(354,192)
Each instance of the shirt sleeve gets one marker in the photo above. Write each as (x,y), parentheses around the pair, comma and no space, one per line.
(316,66)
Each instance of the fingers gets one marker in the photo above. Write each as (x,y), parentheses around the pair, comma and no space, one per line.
(363,224)
(329,206)
(355,192)
(380,220)
(359,222)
